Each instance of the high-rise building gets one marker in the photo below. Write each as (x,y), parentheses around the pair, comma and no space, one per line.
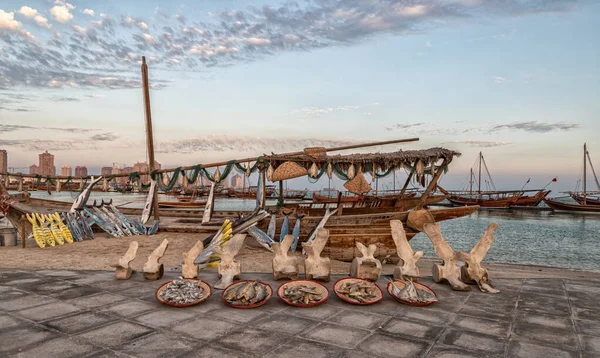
(236,181)
(46,166)
(142,167)
(3,161)
(106,171)
(65,171)
(81,171)
(34,170)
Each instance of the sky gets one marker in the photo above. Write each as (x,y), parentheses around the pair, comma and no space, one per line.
(516,79)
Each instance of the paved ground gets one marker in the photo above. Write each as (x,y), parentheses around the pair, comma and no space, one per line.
(89,314)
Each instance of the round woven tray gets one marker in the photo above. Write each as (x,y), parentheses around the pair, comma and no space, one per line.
(339,283)
(207,291)
(418,286)
(233,285)
(321,289)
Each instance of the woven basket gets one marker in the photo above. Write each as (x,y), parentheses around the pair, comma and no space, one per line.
(207,291)
(288,170)
(358,185)
(339,283)
(316,152)
(419,286)
(321,289)
(235,284)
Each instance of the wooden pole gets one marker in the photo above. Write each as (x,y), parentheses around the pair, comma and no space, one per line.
(149,136)
(480,157)
(280,199)
(584,174)
(430,187)
(23,236)
(212,165)
(403,191)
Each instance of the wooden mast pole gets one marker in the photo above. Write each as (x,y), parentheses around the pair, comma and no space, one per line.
(584,173)
(479,183)
(149,136)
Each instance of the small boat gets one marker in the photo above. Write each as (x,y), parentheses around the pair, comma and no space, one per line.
(582,203)
(177,204)
(493,198)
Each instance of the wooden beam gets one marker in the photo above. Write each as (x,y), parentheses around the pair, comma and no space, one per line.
(245,160)
(149,136)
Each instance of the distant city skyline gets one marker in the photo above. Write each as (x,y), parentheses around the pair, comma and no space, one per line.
(517,79)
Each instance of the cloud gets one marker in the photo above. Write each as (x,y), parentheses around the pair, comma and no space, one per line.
(246,144)
(104,137)
(428,44)
(98,57)
(319,111)
(42,145)
(64,99)
(62,12)
(499,79)
(538,127)
(16,127)
(404,126)
(36,16)
(481,143)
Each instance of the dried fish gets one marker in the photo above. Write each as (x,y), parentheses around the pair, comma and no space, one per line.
(246,293)
(410,293)
(359,291)
(182,291)
(302,294)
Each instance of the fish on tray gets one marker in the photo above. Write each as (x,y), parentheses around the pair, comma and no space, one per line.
(359,291)
(182,291)
(302,294)
(410,293)
(246,293)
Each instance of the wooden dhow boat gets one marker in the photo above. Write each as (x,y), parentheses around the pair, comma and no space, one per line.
(493,198)
(581,204)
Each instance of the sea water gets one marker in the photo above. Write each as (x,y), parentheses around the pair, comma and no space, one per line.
(523,237)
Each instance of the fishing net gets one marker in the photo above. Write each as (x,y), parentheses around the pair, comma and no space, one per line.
(358,185)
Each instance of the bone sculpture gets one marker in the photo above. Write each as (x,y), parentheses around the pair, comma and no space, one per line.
(152,269)
(284,265)
(124,271)
(189,269)
(229,269)
(407,267)
(315,266)
(448,271)
(366,267)
(472,271)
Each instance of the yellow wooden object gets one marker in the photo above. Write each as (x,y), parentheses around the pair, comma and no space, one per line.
(38,236)
(45,230)
(55,230)
(66,233)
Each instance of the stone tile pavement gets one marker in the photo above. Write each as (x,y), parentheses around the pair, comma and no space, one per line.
(49,313)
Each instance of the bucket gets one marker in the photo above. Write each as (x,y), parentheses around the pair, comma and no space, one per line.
(8,237)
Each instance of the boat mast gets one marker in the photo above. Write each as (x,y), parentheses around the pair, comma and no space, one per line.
(471,182)
(584,173)
(479,182)
(149,137)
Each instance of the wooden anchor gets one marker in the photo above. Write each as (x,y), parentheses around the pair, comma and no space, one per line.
(315,266)
(152,269)
(284,265)
(228,268)
(124,270)
(189,269)
(366,267)
(407,267)
(449,270)
(472,271)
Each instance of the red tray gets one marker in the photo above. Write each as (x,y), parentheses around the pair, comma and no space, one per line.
(351,301)
(418,286)
(258,304)
(201,283)
(319,286)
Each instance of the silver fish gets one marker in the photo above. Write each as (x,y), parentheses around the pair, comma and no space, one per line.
(263,239)
(296,233)
(82,198)
(272,226)
(285,227)
(149,200)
